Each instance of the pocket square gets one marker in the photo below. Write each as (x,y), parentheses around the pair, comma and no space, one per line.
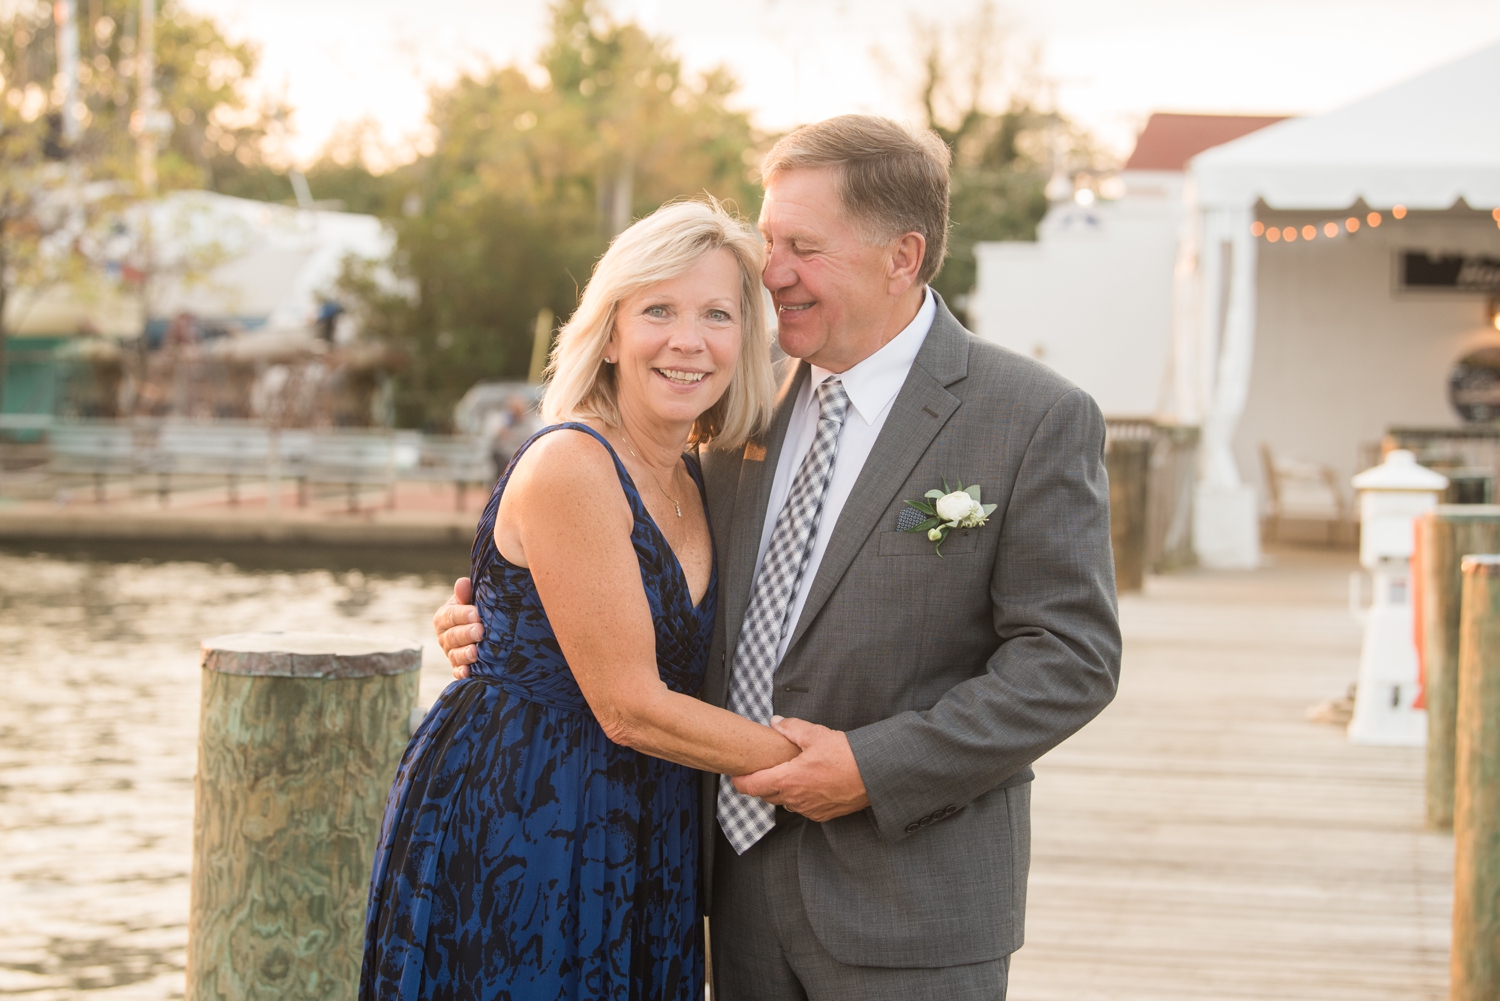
(908,518)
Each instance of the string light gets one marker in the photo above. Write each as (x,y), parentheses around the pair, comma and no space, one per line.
(1330,229)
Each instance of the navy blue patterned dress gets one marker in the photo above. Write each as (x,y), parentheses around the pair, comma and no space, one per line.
(523,855)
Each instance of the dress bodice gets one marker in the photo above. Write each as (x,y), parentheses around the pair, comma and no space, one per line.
(520,653)
(523,853)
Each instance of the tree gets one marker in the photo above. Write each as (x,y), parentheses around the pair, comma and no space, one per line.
(56,196)
(1001,159)
(532,171)
(218,133)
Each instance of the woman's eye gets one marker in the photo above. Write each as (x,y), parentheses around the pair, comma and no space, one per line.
(656,311)
(719,316)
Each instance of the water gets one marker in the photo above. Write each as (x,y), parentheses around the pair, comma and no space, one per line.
(98,732)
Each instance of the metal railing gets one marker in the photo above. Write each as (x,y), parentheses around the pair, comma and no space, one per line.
(171,452)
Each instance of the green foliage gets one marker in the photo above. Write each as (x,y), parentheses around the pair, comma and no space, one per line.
(201,75)
(527,181)
(54,196)
(1001,159)
(998,191)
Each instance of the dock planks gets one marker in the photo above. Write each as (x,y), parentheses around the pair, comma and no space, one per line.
(1202,840)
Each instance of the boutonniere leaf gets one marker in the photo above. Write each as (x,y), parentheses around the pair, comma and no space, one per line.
(950,508)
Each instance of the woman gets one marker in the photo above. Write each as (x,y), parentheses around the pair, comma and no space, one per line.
(541,838)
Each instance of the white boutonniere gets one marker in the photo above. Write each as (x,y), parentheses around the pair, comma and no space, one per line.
(947,509)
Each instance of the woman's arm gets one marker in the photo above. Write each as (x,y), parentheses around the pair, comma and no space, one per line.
(565,508)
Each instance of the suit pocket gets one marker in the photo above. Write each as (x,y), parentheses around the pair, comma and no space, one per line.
(959,541)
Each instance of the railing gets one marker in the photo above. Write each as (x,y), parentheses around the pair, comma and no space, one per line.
(170,452)
(1468,456)
(1152,468)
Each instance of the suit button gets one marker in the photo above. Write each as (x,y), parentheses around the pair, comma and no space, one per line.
(924,821)
(913,828)
(949,811)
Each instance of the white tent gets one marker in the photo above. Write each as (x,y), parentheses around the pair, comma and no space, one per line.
(1424,144)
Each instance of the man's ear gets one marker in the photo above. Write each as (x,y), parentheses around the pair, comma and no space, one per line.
(907,254)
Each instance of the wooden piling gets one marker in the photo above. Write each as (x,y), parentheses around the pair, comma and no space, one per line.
(1446,536)
(1128,464)
(1475,963)
(299,737)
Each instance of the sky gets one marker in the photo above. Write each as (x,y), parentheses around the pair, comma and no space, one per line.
(1105,63)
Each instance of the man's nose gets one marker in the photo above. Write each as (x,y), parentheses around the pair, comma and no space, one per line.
(779,273)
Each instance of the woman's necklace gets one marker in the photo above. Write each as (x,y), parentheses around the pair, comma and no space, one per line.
(626,435)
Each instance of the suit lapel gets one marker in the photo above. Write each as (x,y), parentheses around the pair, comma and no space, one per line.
(919,412)
(757,473)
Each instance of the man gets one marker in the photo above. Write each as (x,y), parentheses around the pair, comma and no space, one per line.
(889,859)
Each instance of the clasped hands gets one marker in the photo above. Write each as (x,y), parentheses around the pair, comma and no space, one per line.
(821,783)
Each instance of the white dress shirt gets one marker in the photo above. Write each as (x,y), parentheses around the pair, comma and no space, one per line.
(872,386)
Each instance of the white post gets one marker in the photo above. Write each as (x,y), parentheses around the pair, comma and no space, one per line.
(1226,525)
(273,475)
(143,124)
(1187,383)
(65,14)
(1391,498)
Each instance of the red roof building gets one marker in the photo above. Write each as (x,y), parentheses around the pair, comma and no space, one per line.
(1169,141)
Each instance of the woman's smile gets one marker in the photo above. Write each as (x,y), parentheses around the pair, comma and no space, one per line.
(681,377)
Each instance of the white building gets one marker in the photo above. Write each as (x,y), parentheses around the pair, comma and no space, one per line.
(1271,294)
(1092,296)
(1304,323)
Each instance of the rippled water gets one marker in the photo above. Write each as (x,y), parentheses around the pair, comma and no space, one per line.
(98,730)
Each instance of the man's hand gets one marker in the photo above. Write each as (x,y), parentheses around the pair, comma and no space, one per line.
(821,783)
(458,629)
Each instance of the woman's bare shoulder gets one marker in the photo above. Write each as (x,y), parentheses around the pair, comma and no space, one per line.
(567,463)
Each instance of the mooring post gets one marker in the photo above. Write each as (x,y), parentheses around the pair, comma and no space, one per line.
(1475,964)
(1447,534)
(299,736)
(1128,463)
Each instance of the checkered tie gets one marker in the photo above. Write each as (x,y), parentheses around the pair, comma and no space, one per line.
(747,819)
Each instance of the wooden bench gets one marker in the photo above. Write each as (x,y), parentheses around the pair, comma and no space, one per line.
(458,459)
(228,449)
(99,450)
(351,457)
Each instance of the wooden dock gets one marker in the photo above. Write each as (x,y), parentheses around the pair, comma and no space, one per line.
(1202,840)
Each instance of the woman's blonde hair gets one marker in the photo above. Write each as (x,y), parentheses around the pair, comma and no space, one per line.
(667,243)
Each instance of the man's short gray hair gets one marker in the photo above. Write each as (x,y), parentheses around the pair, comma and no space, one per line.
(891,179)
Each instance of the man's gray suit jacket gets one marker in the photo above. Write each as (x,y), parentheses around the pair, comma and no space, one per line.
(950,674)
